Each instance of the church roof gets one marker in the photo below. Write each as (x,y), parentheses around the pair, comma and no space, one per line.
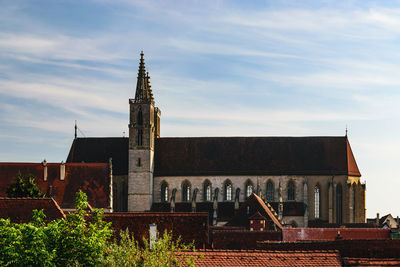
(101,149)
(228,155)
(254,156)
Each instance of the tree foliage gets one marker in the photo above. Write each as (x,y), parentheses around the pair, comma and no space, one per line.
(24,186)
(78,240)
(164,251)
(83,239)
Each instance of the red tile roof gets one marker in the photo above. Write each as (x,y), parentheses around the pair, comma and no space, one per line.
(91,178)
(295,234)
(19,210)
(371,261)
(191,226)
(216,258)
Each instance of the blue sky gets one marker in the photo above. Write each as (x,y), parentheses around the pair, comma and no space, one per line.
(218,68)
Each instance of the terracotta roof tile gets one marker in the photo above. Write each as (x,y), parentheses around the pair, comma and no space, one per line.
(265,258)
(296,234)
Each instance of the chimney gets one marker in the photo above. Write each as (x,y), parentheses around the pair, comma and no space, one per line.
(62,171)
(377,219)
(44,163)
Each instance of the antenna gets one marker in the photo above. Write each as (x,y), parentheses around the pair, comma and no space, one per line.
(76,127)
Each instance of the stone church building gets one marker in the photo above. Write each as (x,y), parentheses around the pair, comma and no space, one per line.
(303,178)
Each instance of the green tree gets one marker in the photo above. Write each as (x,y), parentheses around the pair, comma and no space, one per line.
(78,240)
(81,238)
(24,186)
(25,244)
(164,251)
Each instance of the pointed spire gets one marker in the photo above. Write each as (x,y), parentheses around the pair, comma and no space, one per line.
(143,88)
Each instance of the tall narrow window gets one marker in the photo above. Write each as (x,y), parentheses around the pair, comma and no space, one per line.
(207,191)
(339,196)
(140,117)
(249,188)
(186,191)
(139,137)
(291,191)
(354,204)
(164,192)
(228,191)
(270,191)
(317,201)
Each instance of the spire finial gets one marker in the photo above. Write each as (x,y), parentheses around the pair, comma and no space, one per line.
(346,130)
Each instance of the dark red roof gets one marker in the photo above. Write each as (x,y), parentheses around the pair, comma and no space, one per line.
(19,210)
(254,204)
(296,234)
(191,226)
(216,258)
(101,149)
(91,178)
(254,156)
(227,155)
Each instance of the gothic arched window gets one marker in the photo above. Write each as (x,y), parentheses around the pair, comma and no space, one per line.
(270,191)
(186,188)
(228,191)
(339,196)
(291,191)
(140,117)
(164,192)
(317,201)
(139,137)
(207,191)
(249,188)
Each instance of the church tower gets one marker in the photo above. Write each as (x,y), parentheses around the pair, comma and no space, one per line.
(144,127)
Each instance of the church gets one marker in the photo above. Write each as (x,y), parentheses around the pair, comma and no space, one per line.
(302,179)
